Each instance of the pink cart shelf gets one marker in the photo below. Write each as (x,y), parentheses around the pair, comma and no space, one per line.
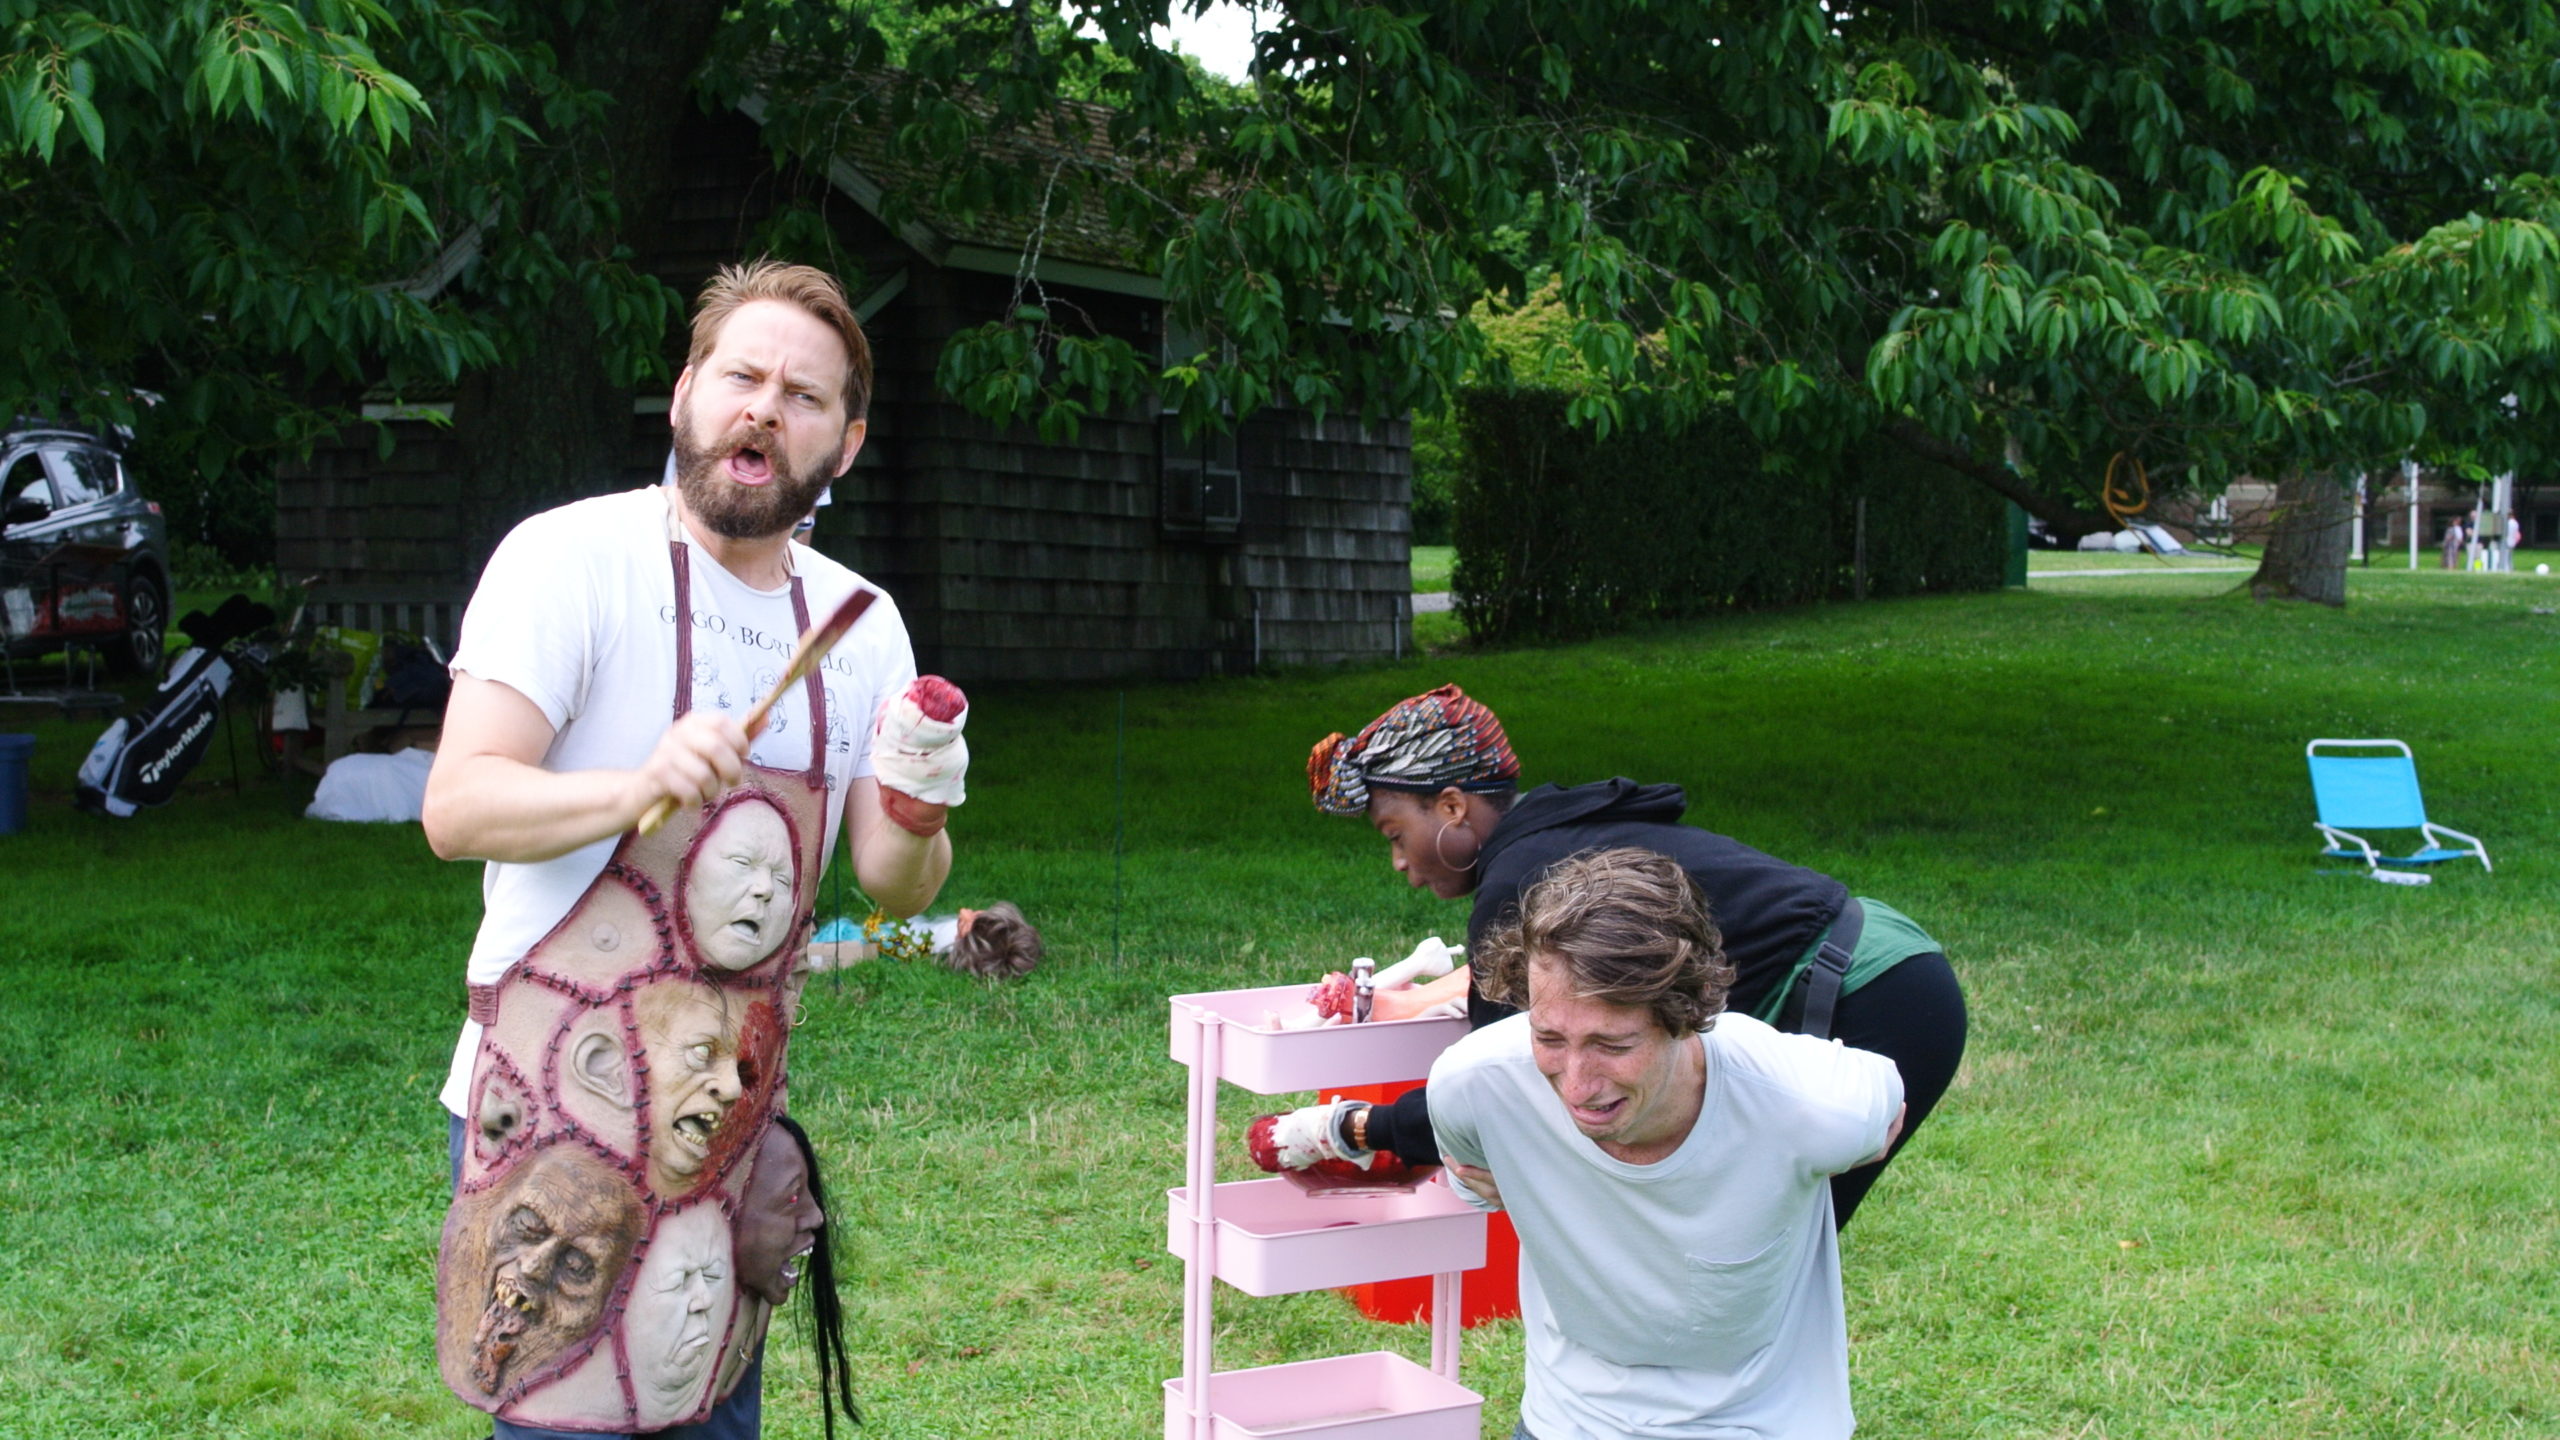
(1271,1062)
(1377,1396)
(1266,1237)
(1275,1239)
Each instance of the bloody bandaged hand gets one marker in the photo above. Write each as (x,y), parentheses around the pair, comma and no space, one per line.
(1311,1141)
(918,753)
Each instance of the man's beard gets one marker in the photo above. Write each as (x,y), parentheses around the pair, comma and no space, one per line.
(742,512)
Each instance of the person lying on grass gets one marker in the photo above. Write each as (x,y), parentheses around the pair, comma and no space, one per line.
(1664,1164)
(1437,778)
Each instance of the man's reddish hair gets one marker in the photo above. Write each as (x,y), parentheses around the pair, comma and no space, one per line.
(805,286)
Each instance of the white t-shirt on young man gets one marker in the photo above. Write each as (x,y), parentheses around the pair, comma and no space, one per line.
(576,612)
(1696,1298)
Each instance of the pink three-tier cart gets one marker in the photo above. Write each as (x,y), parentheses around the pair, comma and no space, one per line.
(1267,1237)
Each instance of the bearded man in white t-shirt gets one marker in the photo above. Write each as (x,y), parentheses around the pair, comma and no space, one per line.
(606,660)
(1664,1164)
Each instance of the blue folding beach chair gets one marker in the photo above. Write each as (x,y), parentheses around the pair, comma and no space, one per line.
(2373,785)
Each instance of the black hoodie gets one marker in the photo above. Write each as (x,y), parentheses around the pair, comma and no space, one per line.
(1769,911)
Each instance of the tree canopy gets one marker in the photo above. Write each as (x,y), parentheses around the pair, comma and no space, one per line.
(2019,236)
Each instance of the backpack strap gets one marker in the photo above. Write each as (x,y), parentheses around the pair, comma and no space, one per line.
(1822,979)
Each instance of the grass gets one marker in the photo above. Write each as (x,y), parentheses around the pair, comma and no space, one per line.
(2240,1150)
(2063,562)
(1431,565)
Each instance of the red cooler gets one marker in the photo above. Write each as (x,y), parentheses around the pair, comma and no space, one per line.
(1492,1293)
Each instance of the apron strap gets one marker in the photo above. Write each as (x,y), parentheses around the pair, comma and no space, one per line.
(817,689)
(684,625)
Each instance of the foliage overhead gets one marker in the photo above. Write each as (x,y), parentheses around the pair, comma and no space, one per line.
(243,208)
(2016,235)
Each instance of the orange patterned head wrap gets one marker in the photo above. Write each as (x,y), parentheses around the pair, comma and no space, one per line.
(1422,746)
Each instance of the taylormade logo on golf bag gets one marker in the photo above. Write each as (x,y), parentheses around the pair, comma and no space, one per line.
(152,772)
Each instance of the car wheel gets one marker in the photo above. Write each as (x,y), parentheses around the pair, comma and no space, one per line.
(146,630)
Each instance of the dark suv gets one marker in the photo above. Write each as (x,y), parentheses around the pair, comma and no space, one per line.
(83,559)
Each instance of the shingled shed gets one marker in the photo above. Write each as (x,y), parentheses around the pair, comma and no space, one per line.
(1126,552)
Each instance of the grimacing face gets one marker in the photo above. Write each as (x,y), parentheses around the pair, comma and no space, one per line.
(692,1046)
(1626,1082)
(760,424)
(554,1238)
(778,1225)
(737,891)
(678,1308)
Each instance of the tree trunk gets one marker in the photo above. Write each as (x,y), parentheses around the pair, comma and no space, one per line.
(2306,555)
(549,424)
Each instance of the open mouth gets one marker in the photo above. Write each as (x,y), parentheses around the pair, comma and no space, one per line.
(798,1264)
(694,1129)
(509,1314)
(750,466)
(1594,1116)
(747,928)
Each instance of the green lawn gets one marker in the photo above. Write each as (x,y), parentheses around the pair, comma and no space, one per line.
(2240,1149)
(1431,568)
(2063,562)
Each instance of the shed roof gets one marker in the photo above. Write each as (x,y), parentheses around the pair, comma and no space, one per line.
(1065,158)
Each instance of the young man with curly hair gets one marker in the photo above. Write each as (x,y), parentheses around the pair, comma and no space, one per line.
(1665,1164)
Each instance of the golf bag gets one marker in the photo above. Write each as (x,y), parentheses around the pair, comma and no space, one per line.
(142,757)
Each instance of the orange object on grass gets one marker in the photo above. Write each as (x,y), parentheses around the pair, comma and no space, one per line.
(1490,1293)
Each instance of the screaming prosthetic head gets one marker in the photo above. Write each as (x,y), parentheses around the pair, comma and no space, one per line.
(543,1249)
(738,890)
(691,1043)
(778,1224)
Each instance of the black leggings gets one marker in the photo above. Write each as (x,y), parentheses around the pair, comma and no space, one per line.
(1912,1014)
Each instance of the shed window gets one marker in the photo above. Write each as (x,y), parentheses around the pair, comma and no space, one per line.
(1203,479)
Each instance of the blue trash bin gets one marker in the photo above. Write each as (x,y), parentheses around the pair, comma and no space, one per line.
(15,751)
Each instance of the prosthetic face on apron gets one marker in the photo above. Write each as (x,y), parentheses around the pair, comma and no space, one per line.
(629,1067)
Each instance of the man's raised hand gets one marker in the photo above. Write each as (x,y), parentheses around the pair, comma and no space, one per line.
(918,754)
(700,756)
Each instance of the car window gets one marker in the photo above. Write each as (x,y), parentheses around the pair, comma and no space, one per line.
(22,484)
(82,475)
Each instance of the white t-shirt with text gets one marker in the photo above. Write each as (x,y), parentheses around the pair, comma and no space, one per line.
(576,611)
(1698,1297)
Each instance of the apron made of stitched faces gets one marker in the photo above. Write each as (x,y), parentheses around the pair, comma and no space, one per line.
(629,1067)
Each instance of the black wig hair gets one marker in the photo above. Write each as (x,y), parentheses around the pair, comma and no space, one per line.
(826,1309)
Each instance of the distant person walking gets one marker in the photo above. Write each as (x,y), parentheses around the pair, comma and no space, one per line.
(2452,543)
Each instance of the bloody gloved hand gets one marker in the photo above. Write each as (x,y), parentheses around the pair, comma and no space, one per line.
(1332,996)
(918,754)
(1317,1139)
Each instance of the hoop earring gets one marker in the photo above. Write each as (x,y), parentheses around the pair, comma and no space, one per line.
(1439,848)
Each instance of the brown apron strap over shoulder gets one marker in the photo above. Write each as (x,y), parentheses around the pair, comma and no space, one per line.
(684,625)
(817,692)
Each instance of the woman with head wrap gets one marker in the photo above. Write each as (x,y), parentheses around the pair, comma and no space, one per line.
(1435,776)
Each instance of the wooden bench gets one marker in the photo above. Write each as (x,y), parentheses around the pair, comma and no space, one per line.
(432,615)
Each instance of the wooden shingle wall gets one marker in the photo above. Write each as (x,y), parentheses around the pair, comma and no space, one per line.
(1010,556)
(349,514)
(1018,558)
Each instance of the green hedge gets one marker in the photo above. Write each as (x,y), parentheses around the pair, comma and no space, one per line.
(1561,535)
